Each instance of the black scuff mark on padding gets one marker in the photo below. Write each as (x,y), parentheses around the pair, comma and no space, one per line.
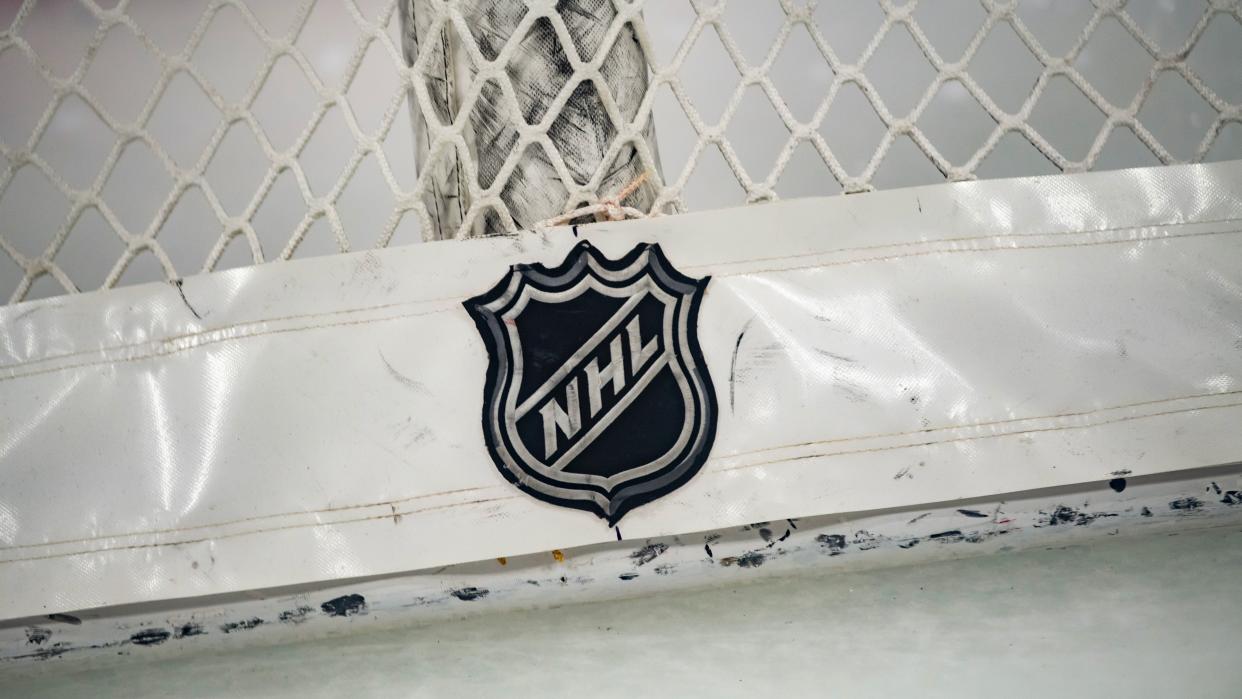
(65,619)
(909,544)
(1067,515)
(37,635)
(648,553)
(1146,512)
(733,364)
(177,283)
(1117,484)
(628,576)
(47,652)
(345,605)
(188,629)
(1186,504)
(865,540)
(835,543)
(295,616)
(1232,497)
(243,625)
(150,637)
(708,549)
(971,513)
(750,559)
(470,593)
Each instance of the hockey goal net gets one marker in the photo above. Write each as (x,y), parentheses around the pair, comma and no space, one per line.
(147,140)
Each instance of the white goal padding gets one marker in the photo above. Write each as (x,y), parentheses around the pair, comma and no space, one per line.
(286,424)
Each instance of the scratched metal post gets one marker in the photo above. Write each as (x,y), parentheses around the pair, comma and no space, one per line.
(581,90)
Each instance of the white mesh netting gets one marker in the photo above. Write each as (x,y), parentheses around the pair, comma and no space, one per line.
(146,140)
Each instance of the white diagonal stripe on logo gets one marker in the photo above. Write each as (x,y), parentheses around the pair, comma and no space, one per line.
(576,358)
(633,391)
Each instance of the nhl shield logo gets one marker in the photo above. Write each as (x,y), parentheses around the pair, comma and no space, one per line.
(597,396)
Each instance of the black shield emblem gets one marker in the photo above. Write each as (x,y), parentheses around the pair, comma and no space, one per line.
(597,396)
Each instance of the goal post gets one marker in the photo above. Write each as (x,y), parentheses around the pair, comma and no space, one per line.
(526,111)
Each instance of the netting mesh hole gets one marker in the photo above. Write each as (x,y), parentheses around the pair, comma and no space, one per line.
(184,120)
(1014,156)
(1066,118)
(707,74)
(493,25)
(168,24)
(136,187)
(326,153)
(31,210)
(521,194)
(237,168)
(1217,58)
(76,142)
(956,123)
(189,232)
(1176,115)
(906,166)
(756,133)
(1228,144)
(1055,23)
(849,25)
(374,87)
(44,286)
(229,54)
(539,71)
(237,253)
(278,215)
(801,74)
(899,71)
(19,116)
(950,25)
(143,268)
(1123,149)
(1114,62)
(319,240)
(674,133)
(365,205)
(284,104)
(668,25)
(806,175)
(852,128)
(11,275)
(754,27)
(408,230)
(1005,68)
(276,17)
(122,54)
(59,33)
(326,40)
(713,185)
(398,146)
(1167,22)
(582,132)
(90,239)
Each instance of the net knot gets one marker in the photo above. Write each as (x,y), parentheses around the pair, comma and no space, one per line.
(608,208)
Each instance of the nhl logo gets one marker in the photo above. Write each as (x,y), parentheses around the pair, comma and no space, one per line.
(597,396)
